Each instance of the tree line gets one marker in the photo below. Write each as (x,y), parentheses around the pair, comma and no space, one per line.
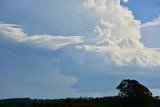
(131,94)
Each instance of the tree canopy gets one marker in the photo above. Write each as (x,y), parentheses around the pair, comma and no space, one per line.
(135,95)
(132,88)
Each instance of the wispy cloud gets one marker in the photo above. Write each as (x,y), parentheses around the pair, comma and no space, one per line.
(15,33)
(156,22)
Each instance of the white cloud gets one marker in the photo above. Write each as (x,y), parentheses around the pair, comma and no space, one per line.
(125,1)
(15,33)
(137,57)
(52,42)
(118,36)
(156,22)
(89,3)
(12,31)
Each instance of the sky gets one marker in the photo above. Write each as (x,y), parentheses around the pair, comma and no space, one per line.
(73,48)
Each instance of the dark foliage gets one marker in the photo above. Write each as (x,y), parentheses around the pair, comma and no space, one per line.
(132,88)
(83,102)
(139,96)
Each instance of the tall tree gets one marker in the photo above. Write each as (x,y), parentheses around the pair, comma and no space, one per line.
(132,88)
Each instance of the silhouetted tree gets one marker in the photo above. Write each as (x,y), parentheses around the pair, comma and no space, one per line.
(136,94)
(132,88)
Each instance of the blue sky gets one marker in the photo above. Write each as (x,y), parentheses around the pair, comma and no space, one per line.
(144,10)
(55,49)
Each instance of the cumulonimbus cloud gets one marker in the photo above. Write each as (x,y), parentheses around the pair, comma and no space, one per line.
(15,33)
(118,35)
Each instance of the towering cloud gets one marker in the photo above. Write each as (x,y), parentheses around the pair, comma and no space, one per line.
(118,34)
